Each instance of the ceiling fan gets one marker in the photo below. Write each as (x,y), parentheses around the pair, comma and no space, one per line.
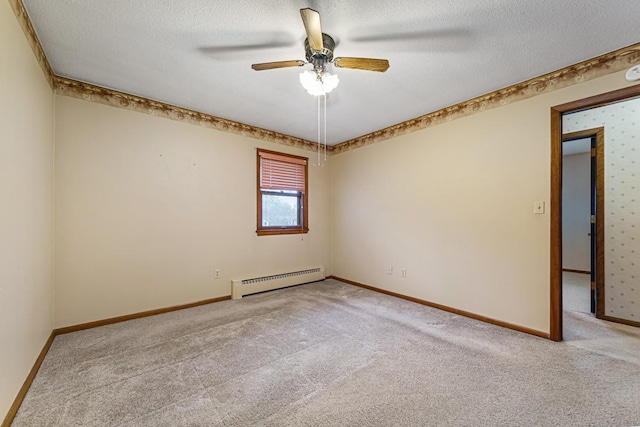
(319,51)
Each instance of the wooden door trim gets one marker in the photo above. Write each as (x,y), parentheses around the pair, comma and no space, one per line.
(555,273)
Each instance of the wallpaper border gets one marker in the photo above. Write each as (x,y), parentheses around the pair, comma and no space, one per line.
(25,22)
(592,68)
(114,98)
(583,71)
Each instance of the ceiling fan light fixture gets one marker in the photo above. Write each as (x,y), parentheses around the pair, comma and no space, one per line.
(318,84)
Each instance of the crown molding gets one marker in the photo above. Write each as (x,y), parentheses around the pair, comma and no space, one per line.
(568,76)
(23,19)
(114,98)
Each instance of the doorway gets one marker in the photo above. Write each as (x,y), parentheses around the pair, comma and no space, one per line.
(557,113)
(583,221)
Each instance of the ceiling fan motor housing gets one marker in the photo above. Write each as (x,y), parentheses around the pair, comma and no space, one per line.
(319,47)
(320,57)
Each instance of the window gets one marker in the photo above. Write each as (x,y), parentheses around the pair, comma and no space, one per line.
(282,193)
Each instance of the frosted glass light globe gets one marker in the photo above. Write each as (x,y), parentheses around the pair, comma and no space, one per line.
(318,86)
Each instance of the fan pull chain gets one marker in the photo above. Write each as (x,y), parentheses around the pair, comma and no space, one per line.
(324,98)
(322,127)
(318,131)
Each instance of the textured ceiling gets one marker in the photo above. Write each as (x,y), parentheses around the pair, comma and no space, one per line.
(197,53)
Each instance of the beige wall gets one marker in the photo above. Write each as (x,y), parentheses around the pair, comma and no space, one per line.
(147,208)
(26,207)
(453,204)
(576,211)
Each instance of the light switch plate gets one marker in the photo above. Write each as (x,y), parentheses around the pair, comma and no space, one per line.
(538,208)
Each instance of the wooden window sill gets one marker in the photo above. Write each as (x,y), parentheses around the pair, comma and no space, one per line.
(275,231)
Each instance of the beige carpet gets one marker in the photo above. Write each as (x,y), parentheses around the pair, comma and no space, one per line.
(607,338)
(330,354)
(576,292)
(583,330)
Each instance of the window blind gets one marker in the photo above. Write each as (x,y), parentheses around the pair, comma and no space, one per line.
(279,172)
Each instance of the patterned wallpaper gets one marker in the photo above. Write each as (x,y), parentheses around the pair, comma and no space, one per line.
(622,201)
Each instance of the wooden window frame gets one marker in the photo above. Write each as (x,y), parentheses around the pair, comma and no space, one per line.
(303,228)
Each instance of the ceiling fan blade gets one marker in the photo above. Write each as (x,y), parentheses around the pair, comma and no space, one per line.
(279,64)
(311,20)
(434,40)
(370,64)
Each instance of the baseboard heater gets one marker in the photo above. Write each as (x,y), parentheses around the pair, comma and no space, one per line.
(241,287)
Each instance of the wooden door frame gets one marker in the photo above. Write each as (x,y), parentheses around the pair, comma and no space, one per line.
(555,324)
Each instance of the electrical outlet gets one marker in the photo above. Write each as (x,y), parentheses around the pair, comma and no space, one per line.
(216,274)
(403,272)
(390,271)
